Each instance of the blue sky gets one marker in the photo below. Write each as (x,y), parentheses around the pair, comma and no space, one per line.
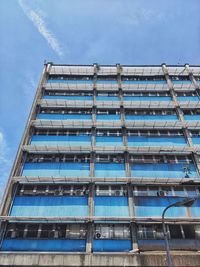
(77,31)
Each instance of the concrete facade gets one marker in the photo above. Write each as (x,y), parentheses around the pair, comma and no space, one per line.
(104,151)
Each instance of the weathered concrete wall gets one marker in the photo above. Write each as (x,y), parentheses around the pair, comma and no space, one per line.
(103,259)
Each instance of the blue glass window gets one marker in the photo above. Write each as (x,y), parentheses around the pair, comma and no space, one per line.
(156,141)
(50,206)
(195,209)
(106,81)
(196,140)
(43,116)
(107,98)
(162,170)
(69,81)
(110,170)
(144,82)
(43,245)
(111,206)
(152,117)
(192,117)
(69,169)
(61,140)
(109,141)
(154,206)
(188,98)
(105,117)
(111,245)
(68,97)
(147,98)
(181,81)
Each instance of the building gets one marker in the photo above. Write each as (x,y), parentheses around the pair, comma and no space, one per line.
(105,150)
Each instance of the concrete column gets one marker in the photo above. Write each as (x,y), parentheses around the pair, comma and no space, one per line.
(3,226)
(121,98)
(170,84)
(90,231)
(122,113)
(188,137)
(90,225)
(119,70)
(124,135)
(127,165)
(197,162)
(92,162)
(131,205)
(93,137)
(176,104)
(196,85)
(96,68)
(94,117)
(91,195)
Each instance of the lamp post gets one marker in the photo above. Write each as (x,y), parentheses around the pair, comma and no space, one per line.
(185,203)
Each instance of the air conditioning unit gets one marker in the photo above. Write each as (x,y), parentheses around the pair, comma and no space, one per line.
(118,193)
(58,192)
(51,234)
(161,193)
(98,235)
(79,192)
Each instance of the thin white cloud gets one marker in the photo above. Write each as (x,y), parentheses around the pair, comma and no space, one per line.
(3,149)
(39,23)
(5,163)
(142,15)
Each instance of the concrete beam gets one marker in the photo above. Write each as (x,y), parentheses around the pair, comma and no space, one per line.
(153,258)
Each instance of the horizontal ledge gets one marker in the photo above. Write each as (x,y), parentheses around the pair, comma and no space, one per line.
(111,123)
(140,180)
(112,149)
(107,104)
(149,220)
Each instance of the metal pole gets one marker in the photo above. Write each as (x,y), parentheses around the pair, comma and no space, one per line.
(169,259)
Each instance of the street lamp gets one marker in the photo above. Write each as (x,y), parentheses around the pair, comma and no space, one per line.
(185,203)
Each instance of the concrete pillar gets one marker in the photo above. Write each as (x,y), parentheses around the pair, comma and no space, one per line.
(170,84)
(119,70)
(127,165)
(3,226)
(131,205)
(93,137)
(90,225)
(176,104)
(92,164)
(192,78)
(197,162)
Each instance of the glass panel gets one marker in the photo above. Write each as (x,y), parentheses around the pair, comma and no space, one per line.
(107,98)
(110,170)
(151,117)
(162,170)
(111,245)
(56,169)
(69,81)
(156,141)
(144,82)
(147,98)
(108,117)
(61,140)
(65,97)
(43,245)
(64,117)
(49,206)
(109,141)
(154,206)
(111,206)
(187,98)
